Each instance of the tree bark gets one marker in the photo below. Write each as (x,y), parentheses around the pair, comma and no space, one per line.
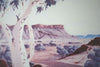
(18,52)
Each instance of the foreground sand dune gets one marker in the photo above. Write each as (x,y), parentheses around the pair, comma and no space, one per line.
(48,58)
(55,64)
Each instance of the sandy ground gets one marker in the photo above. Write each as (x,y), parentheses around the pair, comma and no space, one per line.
(78,59)
(55,64)
(48,58)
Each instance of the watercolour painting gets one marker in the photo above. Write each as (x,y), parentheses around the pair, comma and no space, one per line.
(49,33)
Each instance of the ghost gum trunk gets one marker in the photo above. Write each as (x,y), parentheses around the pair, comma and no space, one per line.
(18,52)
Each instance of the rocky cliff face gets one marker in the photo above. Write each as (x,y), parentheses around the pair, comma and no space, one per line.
(48,31)
(48,26)
(95,42)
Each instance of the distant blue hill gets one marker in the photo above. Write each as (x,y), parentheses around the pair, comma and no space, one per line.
(90,36)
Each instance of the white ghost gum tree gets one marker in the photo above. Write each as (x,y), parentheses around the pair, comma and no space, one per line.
(22,10)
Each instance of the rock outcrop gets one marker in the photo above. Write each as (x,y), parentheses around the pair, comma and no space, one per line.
(47,32)
(3,63)
(73,50)
(95,42)
(50,32)
(48,26)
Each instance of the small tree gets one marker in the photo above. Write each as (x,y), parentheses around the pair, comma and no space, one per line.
(22,10)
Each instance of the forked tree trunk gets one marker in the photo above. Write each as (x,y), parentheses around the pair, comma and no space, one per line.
(21,59)
(19,53)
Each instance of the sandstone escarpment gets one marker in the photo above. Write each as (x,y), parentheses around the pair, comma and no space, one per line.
(50,32)
(44,33)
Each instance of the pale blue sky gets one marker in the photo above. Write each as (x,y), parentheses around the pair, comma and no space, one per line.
(78,16)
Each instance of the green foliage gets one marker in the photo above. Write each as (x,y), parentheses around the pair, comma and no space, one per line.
(15,3)
(39,9)
(3,5)
(48,3)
